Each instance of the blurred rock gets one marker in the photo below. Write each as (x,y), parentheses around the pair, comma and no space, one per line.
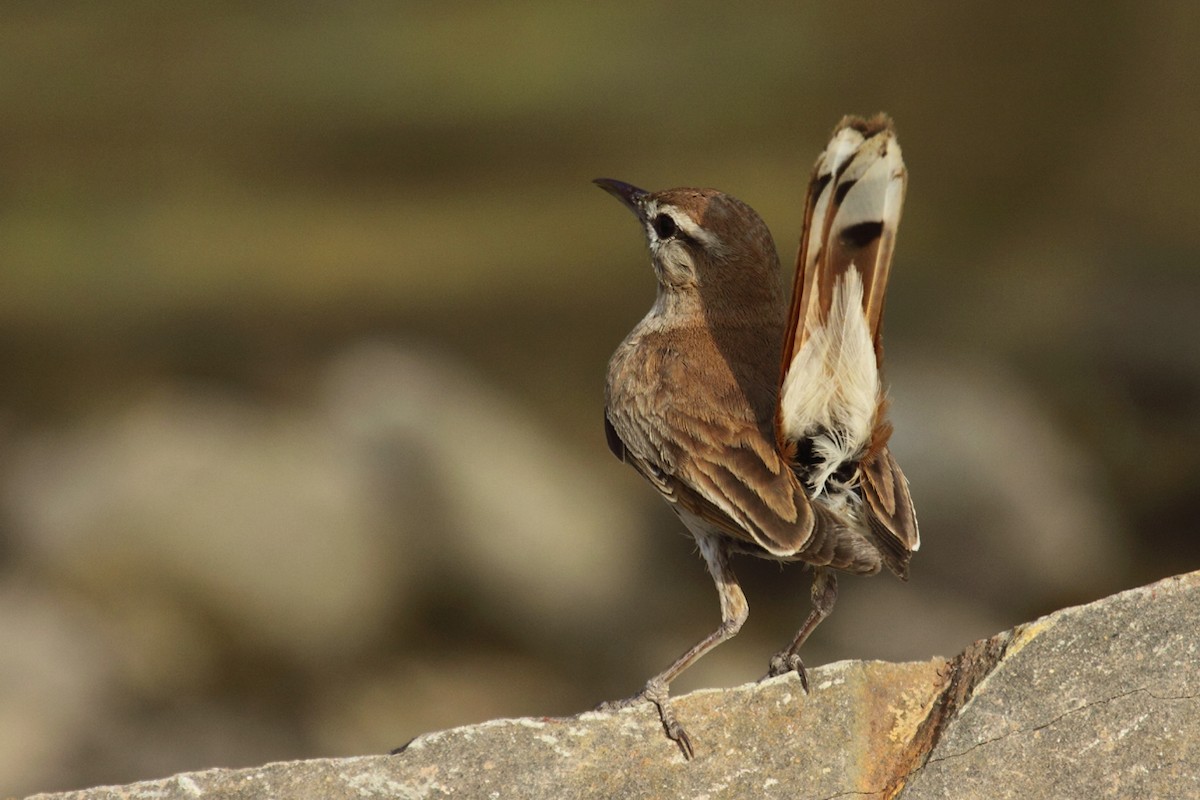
(1012,512)
(385,707)
(257,575)
(302,530)
(1066,706)
(57,680)
(512,518)
(193,510)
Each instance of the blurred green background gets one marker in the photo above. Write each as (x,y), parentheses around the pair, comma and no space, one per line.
(305,311)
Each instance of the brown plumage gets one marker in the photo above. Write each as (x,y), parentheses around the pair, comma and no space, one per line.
(789,464)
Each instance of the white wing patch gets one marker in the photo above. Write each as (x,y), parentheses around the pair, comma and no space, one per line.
(832,390)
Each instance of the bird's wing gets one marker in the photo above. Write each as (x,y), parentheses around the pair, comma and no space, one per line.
(741,487)
(723,471)
(889,510)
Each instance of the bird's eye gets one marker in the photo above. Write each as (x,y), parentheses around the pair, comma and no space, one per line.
(664,226)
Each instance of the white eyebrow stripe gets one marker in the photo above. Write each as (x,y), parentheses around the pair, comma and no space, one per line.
(682,221)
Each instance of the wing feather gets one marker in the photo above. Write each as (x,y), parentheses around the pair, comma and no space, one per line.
(748,493)
(889,509)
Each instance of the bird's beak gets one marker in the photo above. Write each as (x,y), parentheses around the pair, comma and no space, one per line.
(631,196)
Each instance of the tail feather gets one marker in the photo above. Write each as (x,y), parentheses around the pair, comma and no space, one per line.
(832,398)
(832,348)
(852,212)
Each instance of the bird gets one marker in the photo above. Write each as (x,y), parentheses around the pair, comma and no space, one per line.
(763,422)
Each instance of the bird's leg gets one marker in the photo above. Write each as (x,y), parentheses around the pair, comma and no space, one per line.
(824,594)
(733,614)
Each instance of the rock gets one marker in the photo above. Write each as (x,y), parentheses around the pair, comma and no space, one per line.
(306,531)
(1026,502)
(254,576)
(58,680)
(192,510)
(1100,700)
(518,519)
(756,740)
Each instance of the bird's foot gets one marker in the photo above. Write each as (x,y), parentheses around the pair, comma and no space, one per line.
(785,662)
(656,692)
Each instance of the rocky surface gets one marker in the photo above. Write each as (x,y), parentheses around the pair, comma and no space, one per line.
(1096,701)
(1100,700)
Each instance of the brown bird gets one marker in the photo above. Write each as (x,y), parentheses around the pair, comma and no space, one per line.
(791,463)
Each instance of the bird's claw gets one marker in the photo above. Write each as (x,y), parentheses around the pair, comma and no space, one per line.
(656,693)
(785,662)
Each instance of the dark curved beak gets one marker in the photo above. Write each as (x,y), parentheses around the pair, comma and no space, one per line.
(628,194)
